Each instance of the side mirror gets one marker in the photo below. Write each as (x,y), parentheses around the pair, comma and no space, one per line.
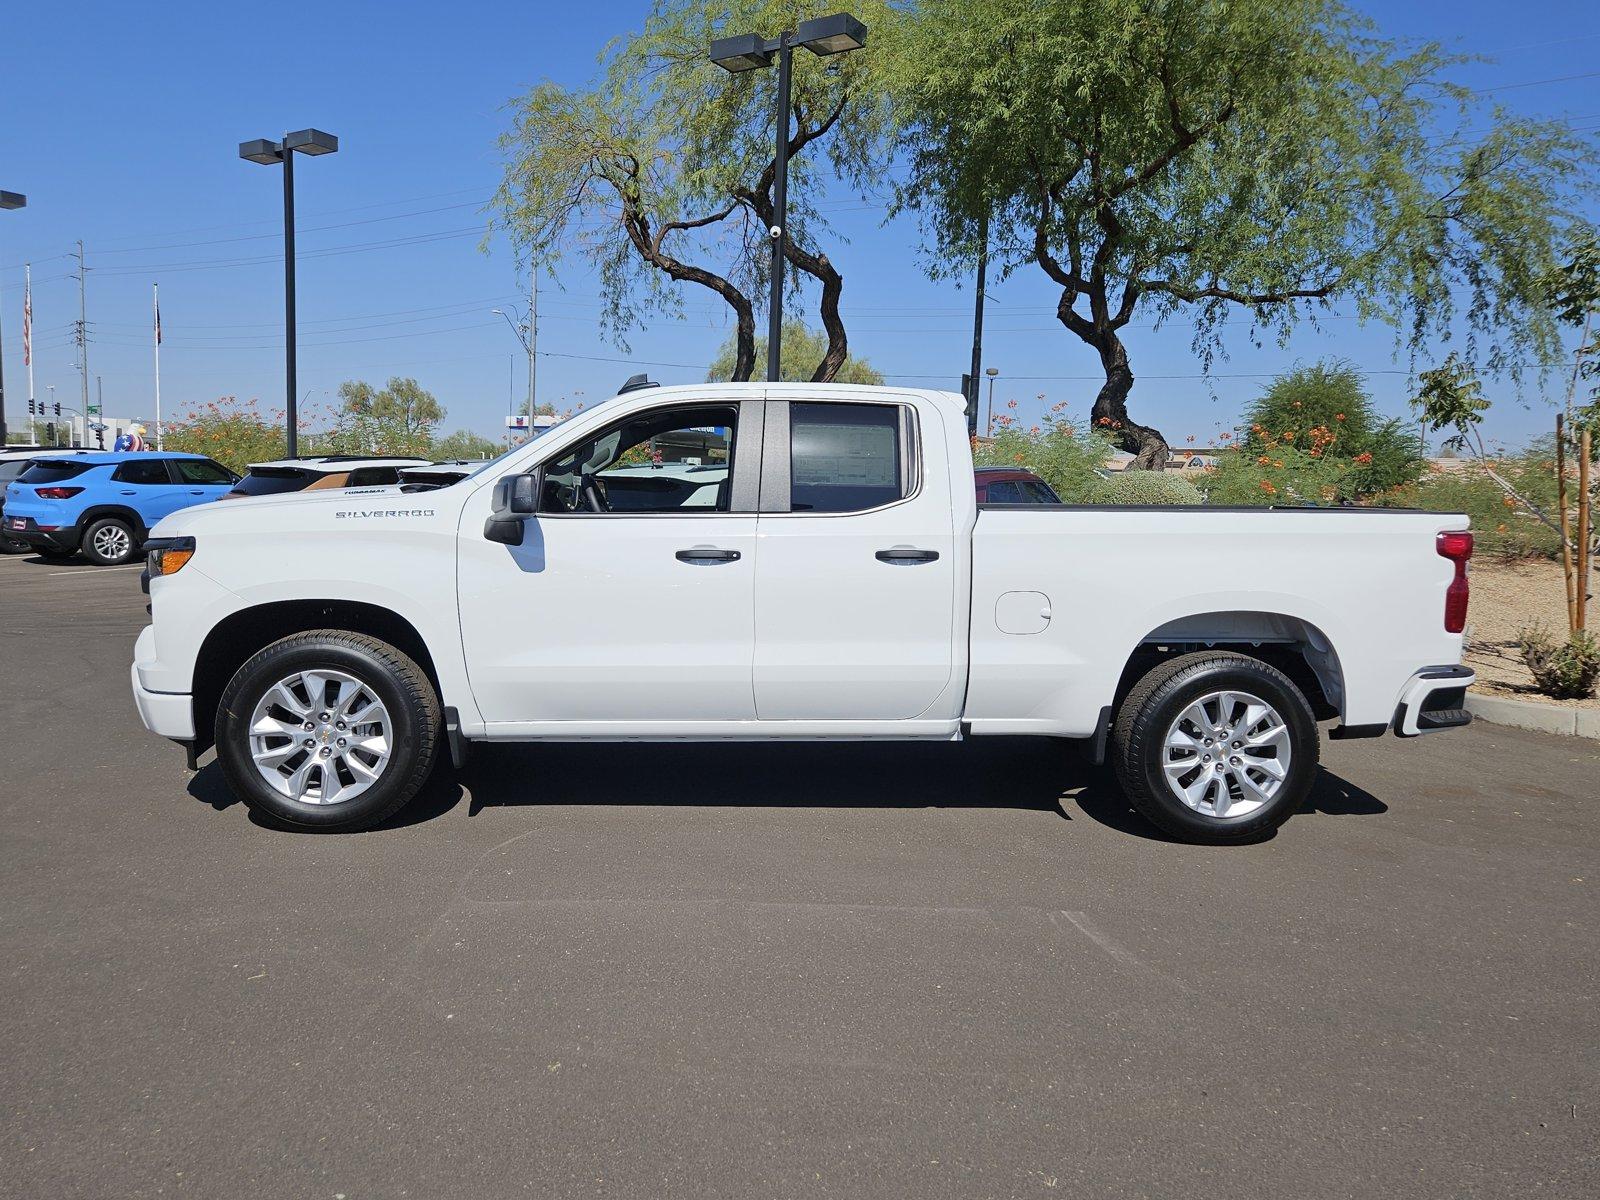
(515,497)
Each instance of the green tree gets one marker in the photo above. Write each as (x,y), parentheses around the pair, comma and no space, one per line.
(398,419)
(803,347)
(464,443)
(1269,157)
(664,170)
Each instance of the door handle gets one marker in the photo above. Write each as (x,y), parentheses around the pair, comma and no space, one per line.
(706,555)
(906,556)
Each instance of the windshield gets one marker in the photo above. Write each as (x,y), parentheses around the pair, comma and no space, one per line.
(269,481)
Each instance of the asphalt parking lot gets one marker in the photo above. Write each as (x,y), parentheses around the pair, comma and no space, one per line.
(959,971)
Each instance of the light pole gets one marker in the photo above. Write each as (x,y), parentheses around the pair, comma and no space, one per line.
(528,335)
(266,152)
(823,36)
(988,426)
(8,200)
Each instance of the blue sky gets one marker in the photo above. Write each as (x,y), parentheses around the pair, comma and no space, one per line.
(121,123)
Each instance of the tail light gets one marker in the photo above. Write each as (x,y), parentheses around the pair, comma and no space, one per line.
(57,493)
(1457,547)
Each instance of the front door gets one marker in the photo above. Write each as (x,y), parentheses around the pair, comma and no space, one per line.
(201,480)
(856,567)
(630,598)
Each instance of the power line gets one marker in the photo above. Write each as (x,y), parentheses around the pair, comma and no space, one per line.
(1506,87)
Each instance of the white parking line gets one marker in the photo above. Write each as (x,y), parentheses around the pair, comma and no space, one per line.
(90,572)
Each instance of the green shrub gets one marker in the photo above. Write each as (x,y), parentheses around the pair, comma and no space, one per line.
(1566,670)
(1316,427)
(1501,530)
(1281,475)
(1064,455)
(1148,487)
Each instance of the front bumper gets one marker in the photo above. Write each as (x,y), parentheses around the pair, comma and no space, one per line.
(1434,699)
(171,714)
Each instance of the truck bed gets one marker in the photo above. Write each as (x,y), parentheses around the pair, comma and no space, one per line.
(1063,595)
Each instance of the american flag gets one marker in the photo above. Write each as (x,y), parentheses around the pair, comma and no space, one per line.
(27,324)
(157,301)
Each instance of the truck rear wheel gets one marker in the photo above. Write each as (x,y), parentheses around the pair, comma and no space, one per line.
(328,730)
(1215,747)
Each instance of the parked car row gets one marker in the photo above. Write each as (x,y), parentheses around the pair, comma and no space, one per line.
(101,505)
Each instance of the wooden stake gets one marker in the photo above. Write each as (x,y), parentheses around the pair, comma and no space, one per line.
(1585,449)
(1568,569)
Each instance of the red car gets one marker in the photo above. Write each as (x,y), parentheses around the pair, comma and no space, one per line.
(1008,485)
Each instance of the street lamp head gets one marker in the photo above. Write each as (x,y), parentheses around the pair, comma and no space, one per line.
(745,52)
(13,200)
(262,150)
(831,35)
(991,371)
(311,141)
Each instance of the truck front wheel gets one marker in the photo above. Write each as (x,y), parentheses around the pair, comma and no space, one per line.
(328,730)
(1215,747)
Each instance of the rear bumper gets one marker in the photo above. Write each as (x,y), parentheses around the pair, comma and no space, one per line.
(64,540)
(1435,699)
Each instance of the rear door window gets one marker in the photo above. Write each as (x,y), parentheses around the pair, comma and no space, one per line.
(845,457)
(1004,491)
(142,471)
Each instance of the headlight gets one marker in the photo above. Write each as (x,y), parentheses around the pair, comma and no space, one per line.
(168,556)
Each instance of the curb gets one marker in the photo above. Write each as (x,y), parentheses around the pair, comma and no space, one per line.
(1529,714)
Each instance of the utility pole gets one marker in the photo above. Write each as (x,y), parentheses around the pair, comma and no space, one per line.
(977,331)
(533,341)
(83,328)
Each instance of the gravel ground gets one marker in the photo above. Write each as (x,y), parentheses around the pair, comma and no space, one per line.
(1505,598)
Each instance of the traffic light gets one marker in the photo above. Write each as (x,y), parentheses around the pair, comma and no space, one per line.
(49,433)
(30,406)
(58,408)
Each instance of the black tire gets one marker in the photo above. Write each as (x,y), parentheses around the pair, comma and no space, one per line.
(397,681)
(1138,739)
(109,541)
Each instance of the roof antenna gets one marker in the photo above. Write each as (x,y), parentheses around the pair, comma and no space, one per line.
(635,383)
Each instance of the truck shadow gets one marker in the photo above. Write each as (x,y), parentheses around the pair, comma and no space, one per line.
(1026,774)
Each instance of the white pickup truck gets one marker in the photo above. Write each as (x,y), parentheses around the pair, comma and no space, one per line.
(806,562)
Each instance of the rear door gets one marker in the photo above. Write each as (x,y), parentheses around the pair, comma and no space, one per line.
(147,486)
(855,564)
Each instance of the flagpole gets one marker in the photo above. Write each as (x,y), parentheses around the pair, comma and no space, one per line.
(155,300)
(27,336)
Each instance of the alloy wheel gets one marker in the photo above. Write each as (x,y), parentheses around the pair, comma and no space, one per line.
(1226,754)
(320,737)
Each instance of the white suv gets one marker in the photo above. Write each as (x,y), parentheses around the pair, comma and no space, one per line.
(319,472)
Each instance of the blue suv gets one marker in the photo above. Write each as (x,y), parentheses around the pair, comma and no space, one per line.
(103,505)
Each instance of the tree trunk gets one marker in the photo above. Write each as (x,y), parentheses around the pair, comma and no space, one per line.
(1110,412)
(744,344)
(832,285)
